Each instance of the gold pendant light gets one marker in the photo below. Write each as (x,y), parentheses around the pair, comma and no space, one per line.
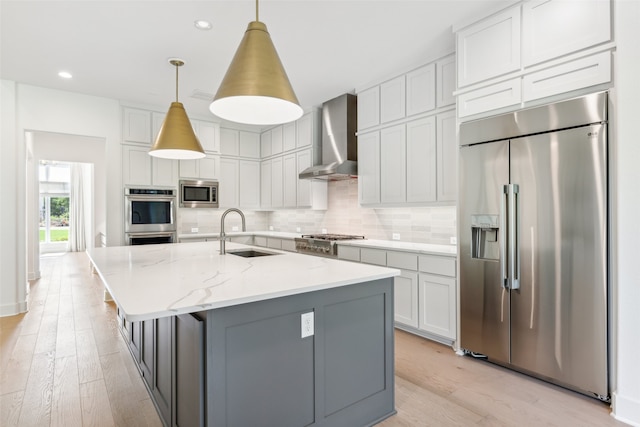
(176,138)
(256,89)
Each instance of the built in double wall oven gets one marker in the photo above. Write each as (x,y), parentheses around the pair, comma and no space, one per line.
(150,215)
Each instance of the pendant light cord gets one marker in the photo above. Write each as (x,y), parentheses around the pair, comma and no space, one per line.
(257,20)
(176,82)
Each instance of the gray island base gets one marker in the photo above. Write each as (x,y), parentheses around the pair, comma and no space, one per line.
(248,365)
(287,340)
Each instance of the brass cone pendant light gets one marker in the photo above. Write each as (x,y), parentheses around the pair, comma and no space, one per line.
(176,138)
(256,89)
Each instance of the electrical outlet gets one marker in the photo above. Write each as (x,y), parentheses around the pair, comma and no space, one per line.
(324,231)
(234,228)
(395,236)
(194,229)
(271,228)
(453,240)
(298,229)
(306,324)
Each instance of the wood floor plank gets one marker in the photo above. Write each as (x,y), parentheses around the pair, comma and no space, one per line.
(66,409)
(15,375)
(123,395)
(36,404)
(10,405)
(89,368)
(96,409)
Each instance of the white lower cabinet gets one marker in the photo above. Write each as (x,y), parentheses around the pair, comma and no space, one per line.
(424,293)
(405,297)
(437,303)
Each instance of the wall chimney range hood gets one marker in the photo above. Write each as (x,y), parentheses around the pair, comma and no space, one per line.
(339,141)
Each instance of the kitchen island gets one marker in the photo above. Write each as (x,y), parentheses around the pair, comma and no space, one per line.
(282,339)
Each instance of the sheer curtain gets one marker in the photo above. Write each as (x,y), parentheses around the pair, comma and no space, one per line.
(77,238)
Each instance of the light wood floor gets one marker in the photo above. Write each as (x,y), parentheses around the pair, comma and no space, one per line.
(64,363)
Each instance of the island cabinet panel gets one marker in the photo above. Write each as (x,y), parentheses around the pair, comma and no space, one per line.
(190,371)
(147,351)
(261,371)
(162,383)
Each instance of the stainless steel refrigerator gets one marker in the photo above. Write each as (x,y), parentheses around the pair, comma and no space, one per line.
(533,235)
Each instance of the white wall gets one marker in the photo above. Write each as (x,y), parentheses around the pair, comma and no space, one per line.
(13,283)
(625,167)
(65,148)
(27,109)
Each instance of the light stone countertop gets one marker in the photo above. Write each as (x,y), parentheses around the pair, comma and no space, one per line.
(151,281)
(423,248)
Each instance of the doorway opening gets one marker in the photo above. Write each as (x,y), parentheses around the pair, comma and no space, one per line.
(54,200)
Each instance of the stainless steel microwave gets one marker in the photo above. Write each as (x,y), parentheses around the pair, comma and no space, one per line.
(198,193)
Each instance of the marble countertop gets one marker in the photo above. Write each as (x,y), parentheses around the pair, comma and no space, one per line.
(151,281)
(424,248)
(277,234)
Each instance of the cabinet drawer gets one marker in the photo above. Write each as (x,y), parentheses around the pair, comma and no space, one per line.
(402,260)
(573,75)
(274,243)
(349,253)
(260,241)
(444,266)
(289,245)
(373,256)
(490,98)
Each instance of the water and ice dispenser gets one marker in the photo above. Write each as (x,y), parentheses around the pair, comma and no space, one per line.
(485,242)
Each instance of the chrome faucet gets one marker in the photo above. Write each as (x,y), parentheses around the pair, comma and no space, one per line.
(222,235)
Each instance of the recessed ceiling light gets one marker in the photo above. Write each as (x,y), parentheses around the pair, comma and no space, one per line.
(201,24)
(65,74)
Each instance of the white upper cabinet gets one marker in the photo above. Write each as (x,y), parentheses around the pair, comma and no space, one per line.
(289,180)
(446,72)
(249,184)
(164,172)
(229,183)
(277,186)
(249,144)
(289,136)
(265,183)
(139,168)
(265,144)
(207,167)
(229,142)
(369,108)
(489,48)
(421,88)
(392,100)
(136,125)
(276,140)
(369,168)
(393,182)
(553,28)
(208,134)
(421,160)
(304,131)
(447,149)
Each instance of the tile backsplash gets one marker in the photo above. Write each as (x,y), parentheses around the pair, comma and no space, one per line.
(421,225)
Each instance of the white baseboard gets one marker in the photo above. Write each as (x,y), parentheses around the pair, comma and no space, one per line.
(625,409)
(34,275)
(13,309)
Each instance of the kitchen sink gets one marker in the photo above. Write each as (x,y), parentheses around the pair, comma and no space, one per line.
(250,253)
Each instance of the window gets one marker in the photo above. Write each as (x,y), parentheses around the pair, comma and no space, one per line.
(54,180)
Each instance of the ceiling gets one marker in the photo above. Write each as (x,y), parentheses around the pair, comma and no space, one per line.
(120,49)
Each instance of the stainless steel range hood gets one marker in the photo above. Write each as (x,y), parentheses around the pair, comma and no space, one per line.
(339,141)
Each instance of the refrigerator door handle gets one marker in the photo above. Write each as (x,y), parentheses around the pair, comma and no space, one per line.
(503,237)
(514,226)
